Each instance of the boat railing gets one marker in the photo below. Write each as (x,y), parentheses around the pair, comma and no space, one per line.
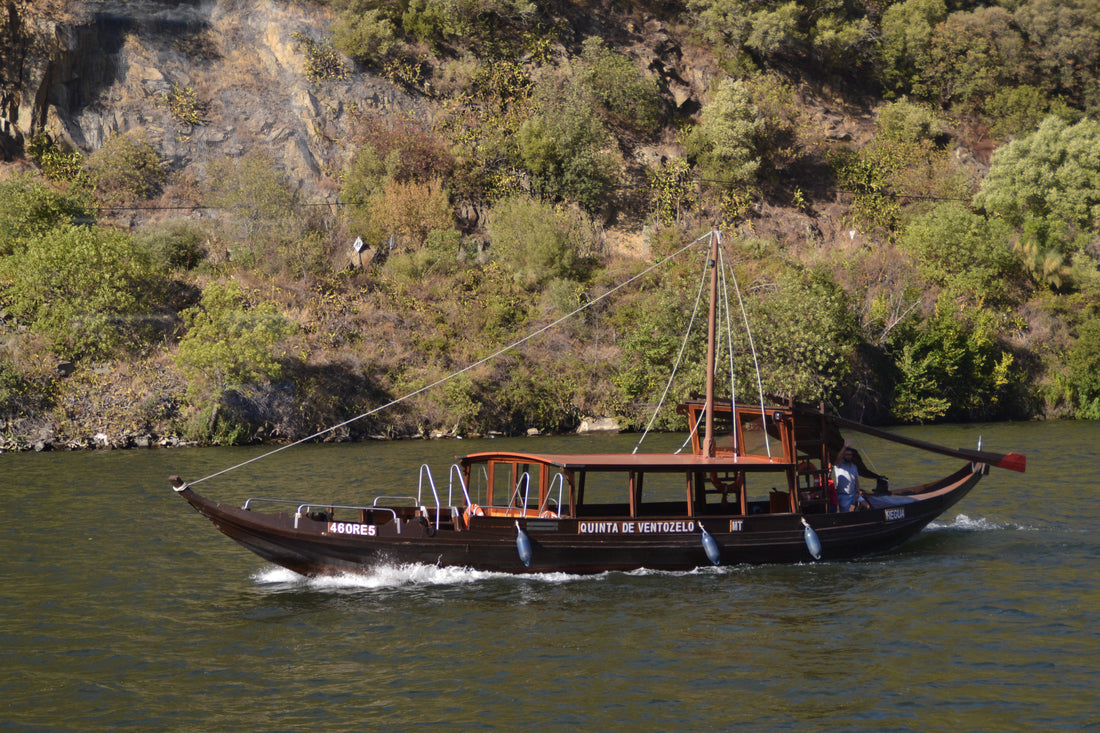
(456,472)
(524,482)
(559,481)
(247,506)
(426,471)
(304,510)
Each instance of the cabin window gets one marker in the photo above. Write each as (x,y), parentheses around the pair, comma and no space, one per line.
(755,440)
(661,494)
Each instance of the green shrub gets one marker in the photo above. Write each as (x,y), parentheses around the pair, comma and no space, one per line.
(563,145)
(805,335)
(1052,175)
(173,245)
(322,62)
(628,97)
(538,242)
(950,366)
(726,142)
(964,252)
(231,340)
(905,48)
(365,34)
(82,288)
(56,162)
(1083,361)
(28,208)
(126,168)
(259,209)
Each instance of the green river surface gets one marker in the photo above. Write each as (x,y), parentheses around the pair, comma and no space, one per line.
(122,608)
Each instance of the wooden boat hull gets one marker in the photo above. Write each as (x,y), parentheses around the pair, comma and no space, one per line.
(577,545)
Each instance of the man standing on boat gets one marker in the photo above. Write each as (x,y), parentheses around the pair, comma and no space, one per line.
(846,476)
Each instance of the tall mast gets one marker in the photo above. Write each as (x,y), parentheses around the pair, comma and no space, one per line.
(712,327)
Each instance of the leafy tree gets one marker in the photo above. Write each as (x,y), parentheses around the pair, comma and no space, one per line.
(231,340)
(972,55)
(950,366)
(1065,37)
(29,208)
(907,29)
(563,144)
(725,143)
(259,209)
(538,242)
(805,334)
(126,168)
(1084,370)
(408,212)
(1047,184)
(628,97)
(80,287)
(963,252)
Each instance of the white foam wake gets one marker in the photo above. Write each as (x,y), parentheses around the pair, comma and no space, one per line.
(979,524)
(397,576)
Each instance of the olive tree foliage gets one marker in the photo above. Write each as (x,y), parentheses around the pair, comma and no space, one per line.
(726,143)
(84,289)
(1047,186)
(232,340)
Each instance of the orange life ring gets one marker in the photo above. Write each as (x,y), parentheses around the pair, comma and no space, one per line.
(547,514)
(473,510)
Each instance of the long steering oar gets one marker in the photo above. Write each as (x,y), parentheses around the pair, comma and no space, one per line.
(1011,461)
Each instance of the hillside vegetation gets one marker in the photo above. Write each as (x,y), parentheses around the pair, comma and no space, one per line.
(910,192)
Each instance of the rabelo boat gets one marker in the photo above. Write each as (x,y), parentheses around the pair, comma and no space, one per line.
(755,488)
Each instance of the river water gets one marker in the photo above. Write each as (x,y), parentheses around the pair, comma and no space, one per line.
(123,609)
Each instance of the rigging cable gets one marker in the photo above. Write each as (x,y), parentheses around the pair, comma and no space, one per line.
(755,364)
(504,350)
(679,358)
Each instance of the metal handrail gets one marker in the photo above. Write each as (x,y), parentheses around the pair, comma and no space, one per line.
(391,498)
(558,479)
(456,470)
(525,481)
(303,508)
(248,501)
(425,469)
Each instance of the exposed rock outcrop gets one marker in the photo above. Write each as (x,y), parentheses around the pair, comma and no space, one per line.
(234,64)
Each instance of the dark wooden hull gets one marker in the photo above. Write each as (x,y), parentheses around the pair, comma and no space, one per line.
(580,545)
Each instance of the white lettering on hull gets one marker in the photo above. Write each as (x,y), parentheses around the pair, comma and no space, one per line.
(671,527)
(362,530)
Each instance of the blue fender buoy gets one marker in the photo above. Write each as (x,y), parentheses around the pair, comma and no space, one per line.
(523,546)
(710,547)
(813,544)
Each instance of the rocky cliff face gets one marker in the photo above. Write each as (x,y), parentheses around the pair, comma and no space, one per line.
(203,79)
